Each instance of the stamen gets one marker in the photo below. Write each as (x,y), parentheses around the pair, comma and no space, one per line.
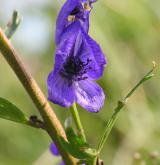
(71,18)
(87,6)
(88,61)
(81,78)
(76,69)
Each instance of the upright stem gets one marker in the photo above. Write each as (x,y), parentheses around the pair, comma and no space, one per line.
(52,124)
(119,107)
(76,118)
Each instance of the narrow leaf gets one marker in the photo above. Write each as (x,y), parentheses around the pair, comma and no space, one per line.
(9,111)
(75,151)
(120,105)
(75,139)
(13,24)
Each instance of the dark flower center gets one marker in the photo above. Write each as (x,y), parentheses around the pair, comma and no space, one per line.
(71,67)
(76,69)
(79,12)
(75,11)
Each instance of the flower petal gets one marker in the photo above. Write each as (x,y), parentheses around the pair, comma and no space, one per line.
(68,38)
(62,163)
(97,53)
(54,149)
(69,11)
(89,95)
(60,90)
(61,23)
(66,46)
(99,56)
(87,51)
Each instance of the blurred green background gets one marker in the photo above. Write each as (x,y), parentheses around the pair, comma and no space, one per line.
(129,34)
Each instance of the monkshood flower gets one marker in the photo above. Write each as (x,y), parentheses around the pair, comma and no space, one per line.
(78,62)
(73,10)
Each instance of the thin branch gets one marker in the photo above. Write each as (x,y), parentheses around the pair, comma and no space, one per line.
(120,106)
(53,125)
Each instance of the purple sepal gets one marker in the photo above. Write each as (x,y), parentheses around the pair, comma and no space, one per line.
(54,149)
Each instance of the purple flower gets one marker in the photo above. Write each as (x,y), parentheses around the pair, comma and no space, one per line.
(73,10)
(54,149)
(62,163)
(78,62)
(55,152)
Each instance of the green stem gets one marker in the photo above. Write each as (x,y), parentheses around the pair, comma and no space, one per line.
(76,118)
(110,125)
(119,107)
(146,77)
(94,161)
(52,124)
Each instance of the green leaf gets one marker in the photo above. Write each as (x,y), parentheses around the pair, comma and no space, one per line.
(13,24)
(68,122)
(9,111)
(75,139)
(77,152)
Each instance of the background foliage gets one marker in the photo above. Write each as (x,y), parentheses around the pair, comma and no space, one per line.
(129,34)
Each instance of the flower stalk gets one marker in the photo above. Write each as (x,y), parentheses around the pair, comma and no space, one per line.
(76,118)
(52,124)
(120,106)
